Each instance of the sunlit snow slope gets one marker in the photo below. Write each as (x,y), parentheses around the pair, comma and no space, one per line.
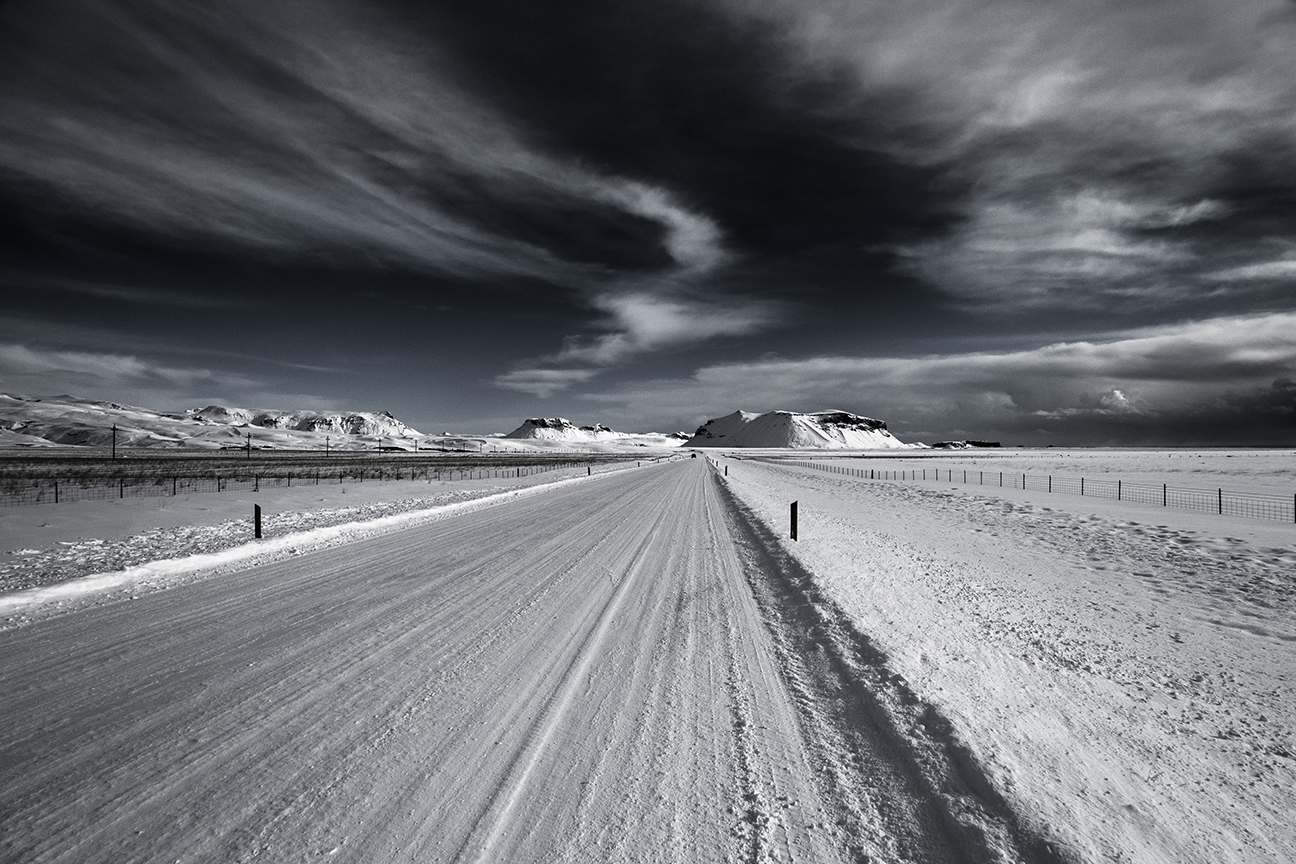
(72,421)
(824,430)
(560,429)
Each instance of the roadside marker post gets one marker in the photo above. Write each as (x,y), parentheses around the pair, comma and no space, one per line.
(794,520)
(256,520)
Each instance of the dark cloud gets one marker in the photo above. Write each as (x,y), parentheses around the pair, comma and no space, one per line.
(784,151)
(536,205)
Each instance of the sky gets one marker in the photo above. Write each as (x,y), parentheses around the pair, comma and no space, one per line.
(1040,223)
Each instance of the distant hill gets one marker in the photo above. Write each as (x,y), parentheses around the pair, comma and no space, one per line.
(560,429)
(824,430)
(75,422)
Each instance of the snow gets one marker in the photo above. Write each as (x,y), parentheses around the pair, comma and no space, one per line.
(642,666)
(32,421)
(1125,673)
(562,431)
(69,420)
(580,675)
(825,430)
(96,539)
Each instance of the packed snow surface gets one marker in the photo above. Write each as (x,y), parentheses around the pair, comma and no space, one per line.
(610,670)
(1126,674)
(824,430)
(641,665)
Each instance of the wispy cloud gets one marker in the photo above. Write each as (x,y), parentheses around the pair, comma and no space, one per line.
(543,382)
(1162,372)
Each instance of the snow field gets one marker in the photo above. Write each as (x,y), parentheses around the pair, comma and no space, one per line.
(617,670)
(1128,686)
(75,551)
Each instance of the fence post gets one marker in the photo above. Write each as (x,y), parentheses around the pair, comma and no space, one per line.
(173,487)
(1221,502)
(121,487)
(589,471)
(55,491)
(1163,495)
(1082,487)
(794,520)
(256,483)
(726,470)
(1118,490)
(256,520)
(1050,483)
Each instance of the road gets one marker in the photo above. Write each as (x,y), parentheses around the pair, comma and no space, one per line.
(591,674)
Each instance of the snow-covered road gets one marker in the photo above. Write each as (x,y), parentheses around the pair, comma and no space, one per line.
(620,670)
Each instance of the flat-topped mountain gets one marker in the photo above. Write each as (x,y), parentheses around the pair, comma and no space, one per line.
(823,430)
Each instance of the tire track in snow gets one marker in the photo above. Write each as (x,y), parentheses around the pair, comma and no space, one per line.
(479,688)
(500,807)
(903,786)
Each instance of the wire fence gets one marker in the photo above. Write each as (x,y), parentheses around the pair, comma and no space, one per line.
(1249,505)
(17,492)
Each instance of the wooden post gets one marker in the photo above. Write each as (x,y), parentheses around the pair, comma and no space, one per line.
(1221,502)
(589,471)
(726,470)
(1118,490)
(256,520)
(55,491)
(114,444)
(1163,495)
(794,520)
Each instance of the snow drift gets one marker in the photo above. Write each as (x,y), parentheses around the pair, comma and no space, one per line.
(823,430)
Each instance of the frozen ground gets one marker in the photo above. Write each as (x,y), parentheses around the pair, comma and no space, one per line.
(1126,673)
(640,666)
(43,544)
(1268,471)
(605,670)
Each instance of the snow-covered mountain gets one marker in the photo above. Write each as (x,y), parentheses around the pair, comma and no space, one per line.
(823,430)
(72,421)
(381,423)
(560,431)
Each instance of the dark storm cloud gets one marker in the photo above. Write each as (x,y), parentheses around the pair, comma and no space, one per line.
(269,132)
(578,188)
(785,151)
